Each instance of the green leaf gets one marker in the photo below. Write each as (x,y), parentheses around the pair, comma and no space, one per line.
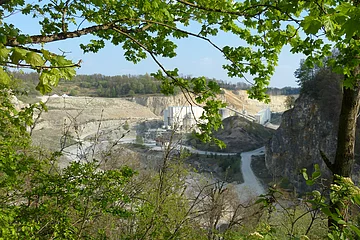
(357,199)
(350,27)
(329,25)
(331,236)
(340,221)
(4,54)
(49,78)
(4,77)
(34,59)
(67,73)
(315,175)
(355,229)
(317,167)
(311,25)
(268,237)
(310,182)
(326,211)
(303,171)
(47,55)
(18,55)
(43,89)
(344,8)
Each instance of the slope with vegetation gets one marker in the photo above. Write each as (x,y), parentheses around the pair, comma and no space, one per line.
(239,135)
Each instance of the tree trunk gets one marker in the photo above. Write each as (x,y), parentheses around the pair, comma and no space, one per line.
(344,158)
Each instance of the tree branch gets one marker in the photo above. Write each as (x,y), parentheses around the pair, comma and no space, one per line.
(327,161)
(203,38)
(37,39)
(153,56)
(17,65)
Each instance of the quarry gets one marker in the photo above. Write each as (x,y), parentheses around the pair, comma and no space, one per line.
(84,126)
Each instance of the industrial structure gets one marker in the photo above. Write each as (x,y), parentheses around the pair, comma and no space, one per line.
(185,118)
(263,116)
(182,117)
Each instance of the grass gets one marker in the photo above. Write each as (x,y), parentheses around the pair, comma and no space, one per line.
(266,179)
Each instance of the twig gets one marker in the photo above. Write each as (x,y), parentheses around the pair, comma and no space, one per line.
(17,65)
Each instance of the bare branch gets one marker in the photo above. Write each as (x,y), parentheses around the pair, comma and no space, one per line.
(17,65)
(327,161)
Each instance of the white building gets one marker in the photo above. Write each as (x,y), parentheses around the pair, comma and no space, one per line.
(225,113)
(263,116)
(182,117)
(186,117)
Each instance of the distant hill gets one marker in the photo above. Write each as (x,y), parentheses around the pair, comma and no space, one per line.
(98,85)
(95,85)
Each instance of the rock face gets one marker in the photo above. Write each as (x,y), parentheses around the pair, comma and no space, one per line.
(85,116)
(305,129)
(237,100)
(157,104)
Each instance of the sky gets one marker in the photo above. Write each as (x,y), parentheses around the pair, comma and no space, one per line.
(195,57)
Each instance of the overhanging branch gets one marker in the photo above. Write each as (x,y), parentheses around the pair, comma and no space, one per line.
(186,94)
(37,39)
(17,65)
(202,38)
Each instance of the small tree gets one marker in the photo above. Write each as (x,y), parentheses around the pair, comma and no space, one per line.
(73,92)
(126,126)
(139,140)
(289,101)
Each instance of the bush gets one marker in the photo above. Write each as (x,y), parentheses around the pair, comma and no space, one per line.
(139,139)
(73,92)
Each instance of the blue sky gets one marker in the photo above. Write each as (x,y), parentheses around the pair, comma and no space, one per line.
(195,57)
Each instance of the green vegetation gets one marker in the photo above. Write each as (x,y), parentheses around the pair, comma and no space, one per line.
(238,134)
(37,202)
(290,102)
(261,172)
(139,140)
(226,168)
(126,126)
(98,85)
(232,168)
